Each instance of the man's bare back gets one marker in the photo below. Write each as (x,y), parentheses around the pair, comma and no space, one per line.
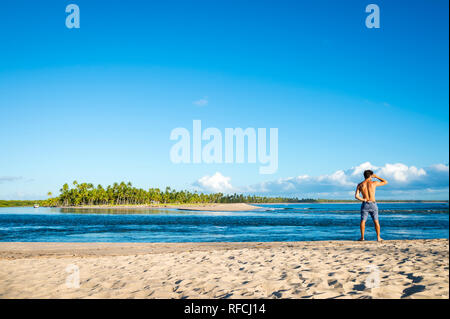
(367,188)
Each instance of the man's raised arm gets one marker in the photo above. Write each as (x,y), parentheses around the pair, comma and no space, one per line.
(381,181)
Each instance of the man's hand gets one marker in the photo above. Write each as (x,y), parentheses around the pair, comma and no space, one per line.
(381,182)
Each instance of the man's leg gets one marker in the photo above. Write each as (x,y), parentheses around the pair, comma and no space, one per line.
(374,215)
(377,229)
(363,228)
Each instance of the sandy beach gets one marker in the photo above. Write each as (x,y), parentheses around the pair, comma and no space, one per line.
(340,269)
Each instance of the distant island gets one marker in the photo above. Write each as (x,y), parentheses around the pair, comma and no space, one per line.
(124,194)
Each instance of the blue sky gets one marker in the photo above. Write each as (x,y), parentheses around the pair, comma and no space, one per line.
(97,104)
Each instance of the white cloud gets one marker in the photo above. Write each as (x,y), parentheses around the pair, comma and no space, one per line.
(201,102)
(403,180)
(22,196)
(359,170)
(215,183)
(402,173)
(9,178)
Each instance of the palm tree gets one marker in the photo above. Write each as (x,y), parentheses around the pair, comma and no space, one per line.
(119,194)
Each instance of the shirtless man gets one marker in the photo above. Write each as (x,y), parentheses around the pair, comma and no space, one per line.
(369,205)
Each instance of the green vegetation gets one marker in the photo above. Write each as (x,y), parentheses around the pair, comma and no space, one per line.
(126,194)
(18,203)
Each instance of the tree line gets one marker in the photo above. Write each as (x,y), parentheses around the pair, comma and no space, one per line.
(125,194)
(17,203)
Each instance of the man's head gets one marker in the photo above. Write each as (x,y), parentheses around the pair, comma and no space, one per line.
(368,173)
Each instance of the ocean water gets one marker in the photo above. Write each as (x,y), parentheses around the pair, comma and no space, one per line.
(293,222)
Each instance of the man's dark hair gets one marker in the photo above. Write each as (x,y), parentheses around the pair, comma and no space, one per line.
(368,173)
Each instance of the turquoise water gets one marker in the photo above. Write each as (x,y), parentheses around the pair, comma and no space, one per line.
(293,222)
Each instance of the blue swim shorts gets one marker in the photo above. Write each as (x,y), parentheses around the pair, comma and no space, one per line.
(369,208)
